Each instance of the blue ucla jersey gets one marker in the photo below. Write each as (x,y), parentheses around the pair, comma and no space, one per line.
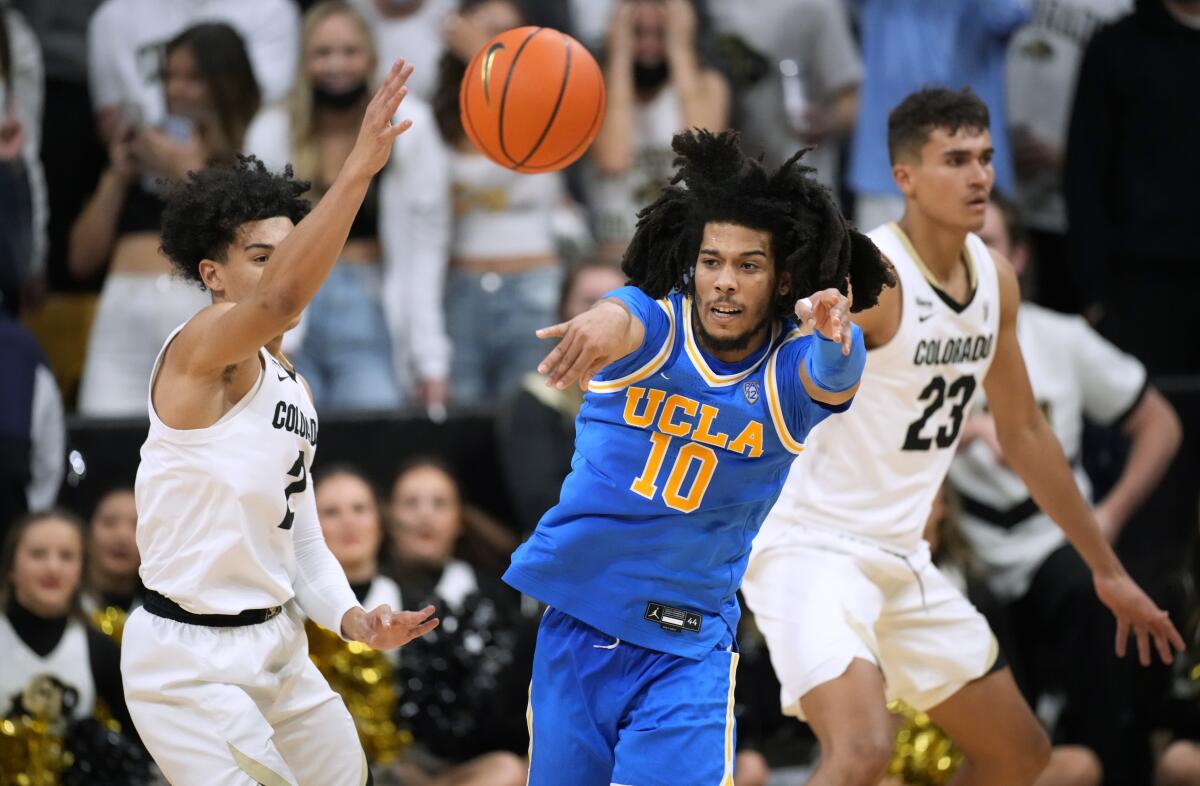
(678,459)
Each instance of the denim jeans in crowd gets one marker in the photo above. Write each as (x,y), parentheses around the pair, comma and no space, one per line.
(491,319)
(346,352)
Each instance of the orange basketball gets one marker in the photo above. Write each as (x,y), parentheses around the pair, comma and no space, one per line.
(532,99)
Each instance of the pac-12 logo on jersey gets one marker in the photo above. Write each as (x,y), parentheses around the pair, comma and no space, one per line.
(752,391)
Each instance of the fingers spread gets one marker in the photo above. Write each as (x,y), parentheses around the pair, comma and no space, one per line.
(1143,645)
(554,331)
(1122,636)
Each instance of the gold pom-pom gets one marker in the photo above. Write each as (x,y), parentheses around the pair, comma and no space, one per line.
(922,755)
(363,678)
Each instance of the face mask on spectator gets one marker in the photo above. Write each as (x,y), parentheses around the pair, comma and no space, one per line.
(649,77)
(339,99)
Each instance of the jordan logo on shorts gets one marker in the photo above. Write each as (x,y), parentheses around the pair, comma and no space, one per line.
(672,619)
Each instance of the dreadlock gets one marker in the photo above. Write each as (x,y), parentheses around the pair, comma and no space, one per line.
(716,182)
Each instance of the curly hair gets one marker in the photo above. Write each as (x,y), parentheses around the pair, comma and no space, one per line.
(716,182)
(915,118)
(204,213)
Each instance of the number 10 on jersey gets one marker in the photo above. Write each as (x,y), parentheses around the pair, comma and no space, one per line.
(673,495)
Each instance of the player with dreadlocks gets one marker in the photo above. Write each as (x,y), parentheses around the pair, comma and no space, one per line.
(700,389)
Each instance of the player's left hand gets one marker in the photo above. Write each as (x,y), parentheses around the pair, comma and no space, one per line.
(827,312)
(1137,613)
(384,629)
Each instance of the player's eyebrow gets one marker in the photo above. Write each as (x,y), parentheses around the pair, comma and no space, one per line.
(965,151)
(752,252)
(267,246)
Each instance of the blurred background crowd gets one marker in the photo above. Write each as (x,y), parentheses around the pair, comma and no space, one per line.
(441,447)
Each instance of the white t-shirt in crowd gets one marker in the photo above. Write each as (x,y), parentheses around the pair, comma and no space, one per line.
(813,33)
(416,38)
(1043,65)
(1074,372)
(126,40)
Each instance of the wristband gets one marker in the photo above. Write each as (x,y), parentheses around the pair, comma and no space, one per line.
(832,371)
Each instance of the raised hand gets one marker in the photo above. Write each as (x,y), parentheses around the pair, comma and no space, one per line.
(378,132)
(827,312)
(587,344)
(384,629)
(1136,613)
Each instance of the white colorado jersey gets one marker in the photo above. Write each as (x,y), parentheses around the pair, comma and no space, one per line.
(873,471)
(1073,372)
(216,505)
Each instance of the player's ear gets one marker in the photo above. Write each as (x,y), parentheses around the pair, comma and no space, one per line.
(212,276)
(902,174)
(784,284)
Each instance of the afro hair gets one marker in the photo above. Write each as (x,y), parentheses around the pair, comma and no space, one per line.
(204,213)
(716,182)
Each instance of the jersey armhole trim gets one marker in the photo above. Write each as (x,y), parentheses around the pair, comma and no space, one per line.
(774,399)
(652,366)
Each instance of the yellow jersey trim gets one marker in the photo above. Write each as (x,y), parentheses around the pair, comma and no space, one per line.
(972,266)
(655,363)
(711,377)
(773,399)
(727,780)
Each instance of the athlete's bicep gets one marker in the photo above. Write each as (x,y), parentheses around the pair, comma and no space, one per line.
(225,334)
(1009,393)
(655,321)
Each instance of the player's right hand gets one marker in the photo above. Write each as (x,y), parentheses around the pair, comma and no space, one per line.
(384,629)
(588,343)
(377,133)
(1137,614)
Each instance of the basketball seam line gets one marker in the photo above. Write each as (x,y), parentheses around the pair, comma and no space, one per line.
(504,96)
(595,119)
(562,90)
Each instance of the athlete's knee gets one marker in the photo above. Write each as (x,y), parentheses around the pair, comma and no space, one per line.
(1179,765)
(750,769)
(1074,765)
(859,760)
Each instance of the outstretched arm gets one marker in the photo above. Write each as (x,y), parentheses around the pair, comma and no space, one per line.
(603,334)
(1034,453)
(301,263)
(834,363)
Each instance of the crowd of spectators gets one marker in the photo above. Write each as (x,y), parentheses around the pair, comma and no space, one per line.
(453,262)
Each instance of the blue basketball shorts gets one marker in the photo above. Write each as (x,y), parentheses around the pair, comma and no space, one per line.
(603,711)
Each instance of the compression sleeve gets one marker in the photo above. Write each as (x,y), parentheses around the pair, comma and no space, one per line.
(320,584)
(830,369)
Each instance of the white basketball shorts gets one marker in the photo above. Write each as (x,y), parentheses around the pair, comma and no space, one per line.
(237,706)
(822,598)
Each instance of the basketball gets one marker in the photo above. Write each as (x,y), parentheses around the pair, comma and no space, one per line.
(532,99)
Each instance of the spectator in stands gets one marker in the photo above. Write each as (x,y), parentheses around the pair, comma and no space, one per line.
(657,85)
(373,337)
(1043,64)
(535,427)
(1132,160)
(414,30)
(796,74)
(211,96)
(350,518)
(908,44)
(1045,588)
(23,205)
(71,153)
(112,579)
(504,267)
(126,50)
(51,655)
(32,432)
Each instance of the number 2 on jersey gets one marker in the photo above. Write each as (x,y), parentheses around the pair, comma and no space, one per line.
(298,474)
(962,389)
(673,496)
